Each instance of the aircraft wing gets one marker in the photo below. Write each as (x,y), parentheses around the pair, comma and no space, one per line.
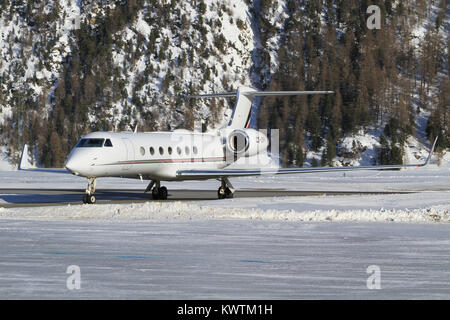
(226,173)
(50,170)
(24,164)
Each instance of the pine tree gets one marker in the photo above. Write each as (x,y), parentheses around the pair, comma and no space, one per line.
(384,151)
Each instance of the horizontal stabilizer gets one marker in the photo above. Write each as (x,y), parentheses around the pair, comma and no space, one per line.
(240,117)
(258,94)
(215,95)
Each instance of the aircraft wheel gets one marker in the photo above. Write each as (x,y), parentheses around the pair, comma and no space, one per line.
(155,193)
(163,193)
(221,193)
(228,193)
(90,199)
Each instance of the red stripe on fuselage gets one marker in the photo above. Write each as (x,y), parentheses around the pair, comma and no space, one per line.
(166,161)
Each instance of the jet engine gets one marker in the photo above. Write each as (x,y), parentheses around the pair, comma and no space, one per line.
(246,142)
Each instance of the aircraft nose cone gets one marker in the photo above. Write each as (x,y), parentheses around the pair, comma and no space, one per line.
(81,162)
(76,165)
(71,166)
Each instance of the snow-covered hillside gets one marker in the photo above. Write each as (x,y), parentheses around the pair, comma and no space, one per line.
(33,60)
(69,67)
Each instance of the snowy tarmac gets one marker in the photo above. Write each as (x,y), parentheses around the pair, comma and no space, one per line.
(223,260)
(386,236)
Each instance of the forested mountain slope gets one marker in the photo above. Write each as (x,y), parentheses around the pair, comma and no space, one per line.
(70,67)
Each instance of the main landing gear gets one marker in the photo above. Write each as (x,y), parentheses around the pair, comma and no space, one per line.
(158,192)
(89,196)
(226,190)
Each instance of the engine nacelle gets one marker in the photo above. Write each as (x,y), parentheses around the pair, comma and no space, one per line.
(246,142)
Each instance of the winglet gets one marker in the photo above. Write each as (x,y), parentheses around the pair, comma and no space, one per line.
(24,162)
(431,153)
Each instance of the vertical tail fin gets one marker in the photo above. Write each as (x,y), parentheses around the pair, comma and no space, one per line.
(240,118)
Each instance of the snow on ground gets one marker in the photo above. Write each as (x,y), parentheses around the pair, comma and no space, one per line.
(5,164)
(223,260)
(429,202)
(365,208)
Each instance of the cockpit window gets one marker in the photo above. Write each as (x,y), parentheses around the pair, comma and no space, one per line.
(108,143)
(90,143)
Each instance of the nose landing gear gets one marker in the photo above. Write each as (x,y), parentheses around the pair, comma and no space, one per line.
(89,199)
(90,190)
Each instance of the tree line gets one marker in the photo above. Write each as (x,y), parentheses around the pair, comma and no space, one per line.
(382,78)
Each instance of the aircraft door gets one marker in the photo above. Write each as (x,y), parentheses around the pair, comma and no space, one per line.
(129,153)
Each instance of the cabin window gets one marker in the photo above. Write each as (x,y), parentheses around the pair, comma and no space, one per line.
(90,143)
(152,151)
(195,150)
(169,150)
(179,150)
(108,143)
(142,150)
(161,150)
(186,150)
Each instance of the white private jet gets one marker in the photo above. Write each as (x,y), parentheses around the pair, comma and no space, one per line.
(182,155)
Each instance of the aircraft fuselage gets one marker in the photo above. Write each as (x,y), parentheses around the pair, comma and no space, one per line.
(149,156)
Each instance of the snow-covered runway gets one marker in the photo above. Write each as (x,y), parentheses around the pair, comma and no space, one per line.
(223,260)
